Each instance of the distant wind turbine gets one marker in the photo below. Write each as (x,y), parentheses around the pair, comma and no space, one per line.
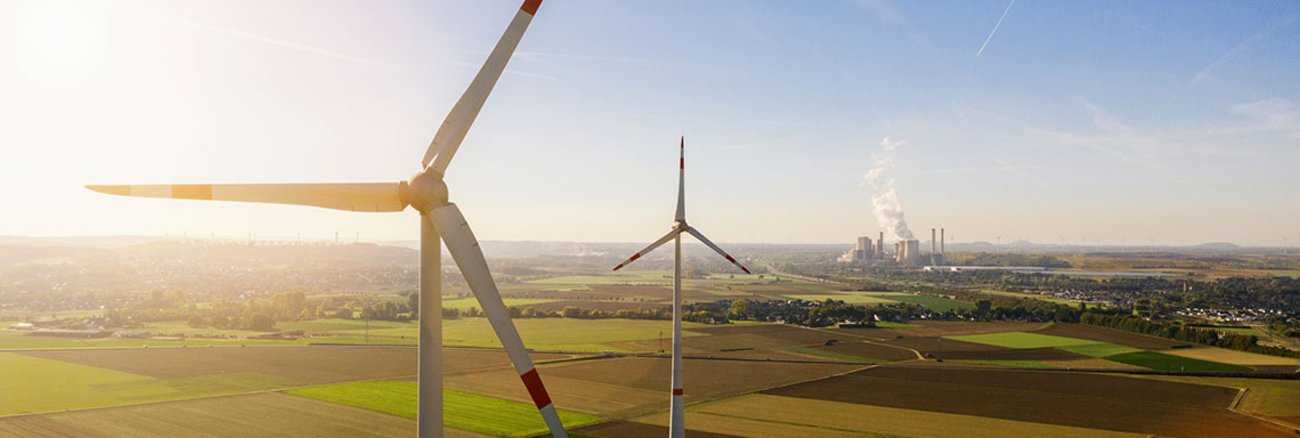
(676,427)
(427,193)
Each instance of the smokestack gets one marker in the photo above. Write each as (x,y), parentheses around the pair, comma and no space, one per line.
(941,240)
(932,247)
(880,245)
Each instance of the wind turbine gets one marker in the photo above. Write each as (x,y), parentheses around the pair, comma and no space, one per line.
(427,193)
(676,427)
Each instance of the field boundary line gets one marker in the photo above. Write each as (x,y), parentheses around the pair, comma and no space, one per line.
(867,340)
(626,416)
(159,402)
(1235,407)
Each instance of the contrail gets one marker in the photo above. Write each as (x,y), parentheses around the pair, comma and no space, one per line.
(255,37)
(995,28)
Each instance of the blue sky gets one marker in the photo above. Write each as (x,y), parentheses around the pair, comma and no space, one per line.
(1118,122)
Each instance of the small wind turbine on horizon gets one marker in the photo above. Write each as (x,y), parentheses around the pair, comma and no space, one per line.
(676,427)
(440,220)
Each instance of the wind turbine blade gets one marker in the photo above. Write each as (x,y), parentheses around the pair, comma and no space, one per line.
(710,244)
(464,249)
(681,184)
(456,125)
(647,249)
(372,197)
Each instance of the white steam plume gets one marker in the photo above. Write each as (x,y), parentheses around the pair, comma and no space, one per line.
(884,196)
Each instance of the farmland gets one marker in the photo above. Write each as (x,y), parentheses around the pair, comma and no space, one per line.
(763,415)
(463,410)
(610,377)
(725,395)
(1166,362)
(266,415)
(1075,400)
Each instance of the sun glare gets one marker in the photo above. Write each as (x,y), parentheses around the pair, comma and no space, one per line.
(58,44)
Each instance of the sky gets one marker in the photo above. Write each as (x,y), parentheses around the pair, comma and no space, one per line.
(1116,122)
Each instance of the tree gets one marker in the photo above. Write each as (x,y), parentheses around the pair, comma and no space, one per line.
(259,322)
(739,309)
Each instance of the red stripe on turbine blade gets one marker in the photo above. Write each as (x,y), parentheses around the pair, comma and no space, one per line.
(634,257)
(729,258)
(530,6)
(746,270)
(678,391)
(683,163)
(620,266)
(535,389)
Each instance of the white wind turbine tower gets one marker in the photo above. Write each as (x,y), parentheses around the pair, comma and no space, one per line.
(427,193)
(676,427)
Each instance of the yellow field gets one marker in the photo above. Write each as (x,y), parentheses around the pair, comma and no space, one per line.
(1215,354)
(761,415)
(1268,397)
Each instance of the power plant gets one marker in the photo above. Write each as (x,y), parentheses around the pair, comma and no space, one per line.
(905,252)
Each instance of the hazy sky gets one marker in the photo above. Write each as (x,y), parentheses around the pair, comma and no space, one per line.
(1120,121)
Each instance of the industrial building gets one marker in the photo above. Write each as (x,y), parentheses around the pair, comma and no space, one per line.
(862,252)
(905,251)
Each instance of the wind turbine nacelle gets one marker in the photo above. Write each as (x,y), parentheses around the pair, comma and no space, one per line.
(425,190)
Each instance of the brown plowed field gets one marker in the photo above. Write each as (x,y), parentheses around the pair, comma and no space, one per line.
(1087,331)
(306,365)
(661,293)
(703,378)
(258,415)
(756,341)
(622,429)
(577,394)
(872,351)
(1072,399)
(1011,354)
(759,336)
(950,328)
(932,344)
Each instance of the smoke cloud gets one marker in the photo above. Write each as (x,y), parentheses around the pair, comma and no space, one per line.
(884,196)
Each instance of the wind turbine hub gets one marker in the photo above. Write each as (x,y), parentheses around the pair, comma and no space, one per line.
(426,190)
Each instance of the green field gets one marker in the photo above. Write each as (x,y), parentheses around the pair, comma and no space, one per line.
(462,410)
(851,298)
(625,277)
(1085,347)
(32,384)
(937,304)
(585,335)
(891,324)
(1109,351)
(1100,349)
(1022,340)
(10,340)
(468,302)
(1165,362)
(830,355)
(1048,298)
